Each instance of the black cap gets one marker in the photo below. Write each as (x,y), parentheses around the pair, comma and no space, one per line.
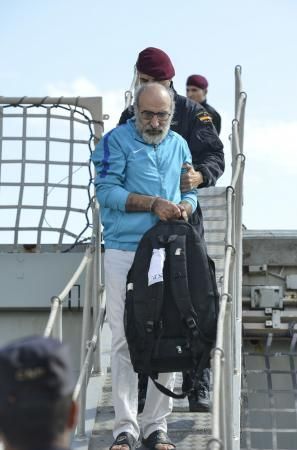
(33,369)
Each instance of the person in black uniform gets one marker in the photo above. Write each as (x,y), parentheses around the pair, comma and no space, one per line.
(197,88)
(195,124)
(190,120)
(36,386)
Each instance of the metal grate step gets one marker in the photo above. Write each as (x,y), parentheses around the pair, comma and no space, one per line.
(188,430)
(269,394)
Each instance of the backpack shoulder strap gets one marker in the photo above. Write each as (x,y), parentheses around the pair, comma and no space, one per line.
(179,281)
(168,392)
(153,328)
(189,385)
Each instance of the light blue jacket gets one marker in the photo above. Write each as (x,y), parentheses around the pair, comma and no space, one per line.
(126,164)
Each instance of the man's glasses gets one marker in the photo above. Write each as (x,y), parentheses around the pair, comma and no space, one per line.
(162,116)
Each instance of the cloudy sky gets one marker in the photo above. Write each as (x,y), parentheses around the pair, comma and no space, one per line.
(70,47)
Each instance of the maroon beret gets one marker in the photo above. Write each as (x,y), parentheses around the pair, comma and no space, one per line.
(198,81)
(155,63)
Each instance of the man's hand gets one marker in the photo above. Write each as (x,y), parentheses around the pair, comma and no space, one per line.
(191,179)
(166,210)
(185,209)
(183,212)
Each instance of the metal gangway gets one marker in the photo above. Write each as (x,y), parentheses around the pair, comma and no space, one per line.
(53,282)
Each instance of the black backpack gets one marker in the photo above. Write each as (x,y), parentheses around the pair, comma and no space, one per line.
(171,315)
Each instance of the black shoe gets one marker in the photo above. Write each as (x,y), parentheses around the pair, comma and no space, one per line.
(157,437)
(199,400)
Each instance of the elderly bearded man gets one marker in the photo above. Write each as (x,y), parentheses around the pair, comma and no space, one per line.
(138,166)
(192,121)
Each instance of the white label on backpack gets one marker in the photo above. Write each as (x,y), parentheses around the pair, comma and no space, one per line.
(155,273)
(130,287)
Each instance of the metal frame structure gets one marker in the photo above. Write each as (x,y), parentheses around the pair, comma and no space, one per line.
(90,265)
(269,357)
(226,358)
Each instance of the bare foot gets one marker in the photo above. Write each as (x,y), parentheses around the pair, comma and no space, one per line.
(164,447)
(120,447)
(124,441)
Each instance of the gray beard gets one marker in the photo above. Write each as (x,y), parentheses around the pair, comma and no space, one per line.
(152,139)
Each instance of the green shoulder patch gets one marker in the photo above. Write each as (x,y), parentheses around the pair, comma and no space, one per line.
(204,117)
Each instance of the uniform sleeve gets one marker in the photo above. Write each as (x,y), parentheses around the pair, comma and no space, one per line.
(126,114)
(217,121)
(110,163)
(206,148)
(190,196)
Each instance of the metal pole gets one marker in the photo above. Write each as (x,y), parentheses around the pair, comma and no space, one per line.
(58,325)
(100,289)
(238,87)
(226,359)
(81,429)
(95,291)
(84,340)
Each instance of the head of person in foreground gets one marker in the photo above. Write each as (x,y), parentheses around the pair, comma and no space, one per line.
(36,387)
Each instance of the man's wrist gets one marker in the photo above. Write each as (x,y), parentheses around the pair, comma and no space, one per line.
(140,203)
(200,177)
(153,203)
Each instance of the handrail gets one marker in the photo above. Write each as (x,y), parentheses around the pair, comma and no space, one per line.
(82,382)
(91,289)
(129,92)
(91,346)
(58,300)
(226,354)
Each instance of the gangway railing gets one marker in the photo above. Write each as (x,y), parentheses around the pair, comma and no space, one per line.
(226,356)
(78,112)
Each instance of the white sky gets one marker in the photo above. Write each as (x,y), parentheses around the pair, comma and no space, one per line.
(89,47)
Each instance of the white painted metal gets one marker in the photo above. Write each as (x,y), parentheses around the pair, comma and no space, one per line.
(226,361)
(226,355)
(92,104)
(92,255)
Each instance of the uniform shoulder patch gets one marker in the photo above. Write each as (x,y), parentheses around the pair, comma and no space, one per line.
(204,117)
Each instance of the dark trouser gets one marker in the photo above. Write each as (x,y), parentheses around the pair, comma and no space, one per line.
(191,378)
